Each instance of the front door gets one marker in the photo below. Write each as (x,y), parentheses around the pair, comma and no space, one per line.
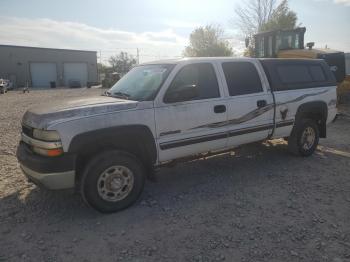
(186,111)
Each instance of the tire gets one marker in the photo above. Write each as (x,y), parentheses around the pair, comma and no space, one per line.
(110,169)
(304,138)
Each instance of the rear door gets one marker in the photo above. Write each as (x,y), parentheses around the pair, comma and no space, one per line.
(249,102)
(187,110)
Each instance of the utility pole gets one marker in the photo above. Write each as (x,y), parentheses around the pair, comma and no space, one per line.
(99,67)
(138,55)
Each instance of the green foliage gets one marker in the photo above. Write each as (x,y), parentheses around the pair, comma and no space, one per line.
(249,51)
(206,42)
(282,18)
(122,63)
(102,68)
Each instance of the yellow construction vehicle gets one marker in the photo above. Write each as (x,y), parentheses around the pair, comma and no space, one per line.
(290,44)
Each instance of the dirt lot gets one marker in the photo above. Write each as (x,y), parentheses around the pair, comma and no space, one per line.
(261,205)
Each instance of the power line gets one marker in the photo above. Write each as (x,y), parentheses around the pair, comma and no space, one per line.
(103,55)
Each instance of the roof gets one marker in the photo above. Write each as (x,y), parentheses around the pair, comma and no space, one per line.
(46,48)
(184,59)
(304,53)
(298,29)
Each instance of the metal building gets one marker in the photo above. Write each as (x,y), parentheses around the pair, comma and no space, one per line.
(45,67)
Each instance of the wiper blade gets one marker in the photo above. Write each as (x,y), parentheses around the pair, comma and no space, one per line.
(121,95)
(106,93)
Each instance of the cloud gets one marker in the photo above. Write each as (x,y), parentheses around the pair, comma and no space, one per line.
(341,2)
(344,2)
(182,24)
(62,34)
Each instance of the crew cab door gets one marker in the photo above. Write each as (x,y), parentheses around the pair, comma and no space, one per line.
(189,102)
(249,102)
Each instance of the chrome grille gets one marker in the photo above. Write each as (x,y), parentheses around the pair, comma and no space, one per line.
(27,131)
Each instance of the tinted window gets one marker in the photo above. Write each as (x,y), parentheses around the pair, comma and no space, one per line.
(317,73)
(242,78)
(193,82)
(290,74)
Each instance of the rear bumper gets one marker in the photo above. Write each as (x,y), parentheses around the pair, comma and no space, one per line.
(50,172)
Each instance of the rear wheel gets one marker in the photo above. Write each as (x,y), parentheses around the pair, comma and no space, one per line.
(304,138)
(112,181)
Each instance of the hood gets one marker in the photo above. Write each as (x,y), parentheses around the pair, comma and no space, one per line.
(50,113)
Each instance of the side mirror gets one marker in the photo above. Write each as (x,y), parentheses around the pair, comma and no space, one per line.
(181,94)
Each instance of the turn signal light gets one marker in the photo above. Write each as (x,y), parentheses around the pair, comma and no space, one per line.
(48,152)
(55,152)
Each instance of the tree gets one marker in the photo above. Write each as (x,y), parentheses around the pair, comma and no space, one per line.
(282,18)
(263,15)
(102,68)
(207,42)
(122,63)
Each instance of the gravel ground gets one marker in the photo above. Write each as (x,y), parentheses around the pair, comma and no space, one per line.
(259,205)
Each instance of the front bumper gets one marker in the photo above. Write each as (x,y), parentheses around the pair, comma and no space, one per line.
(50,172)
(52,181)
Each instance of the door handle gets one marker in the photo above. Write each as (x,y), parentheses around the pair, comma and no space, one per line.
(220,109)
(261,103)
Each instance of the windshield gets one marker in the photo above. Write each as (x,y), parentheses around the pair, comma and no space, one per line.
(141,83)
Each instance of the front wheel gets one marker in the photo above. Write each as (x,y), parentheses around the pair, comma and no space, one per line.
(112,181)
(304,138)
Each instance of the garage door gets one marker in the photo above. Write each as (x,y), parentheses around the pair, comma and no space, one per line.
(75,72)
(42,74)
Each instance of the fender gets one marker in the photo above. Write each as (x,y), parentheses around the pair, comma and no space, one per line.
(135,139)
(316,110)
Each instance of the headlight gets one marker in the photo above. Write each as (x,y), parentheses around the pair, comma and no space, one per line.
(46,135)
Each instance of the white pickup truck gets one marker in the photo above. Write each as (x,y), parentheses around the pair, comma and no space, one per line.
(173,110)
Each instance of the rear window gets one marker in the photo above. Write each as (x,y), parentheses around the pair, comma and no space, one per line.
(291,74)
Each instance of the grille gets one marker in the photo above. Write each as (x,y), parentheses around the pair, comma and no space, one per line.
(27,131)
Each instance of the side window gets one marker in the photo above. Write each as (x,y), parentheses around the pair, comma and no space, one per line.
(295,74)
(242,78)
(317,73)
(193,82)
(291,74)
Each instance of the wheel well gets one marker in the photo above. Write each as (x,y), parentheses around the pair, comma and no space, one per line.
(317,111)
(136,140)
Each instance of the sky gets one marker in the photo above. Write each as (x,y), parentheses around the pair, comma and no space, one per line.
(158,28)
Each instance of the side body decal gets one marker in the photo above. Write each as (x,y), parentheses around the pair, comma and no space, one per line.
(222,135)
(247,117)
(256,112)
